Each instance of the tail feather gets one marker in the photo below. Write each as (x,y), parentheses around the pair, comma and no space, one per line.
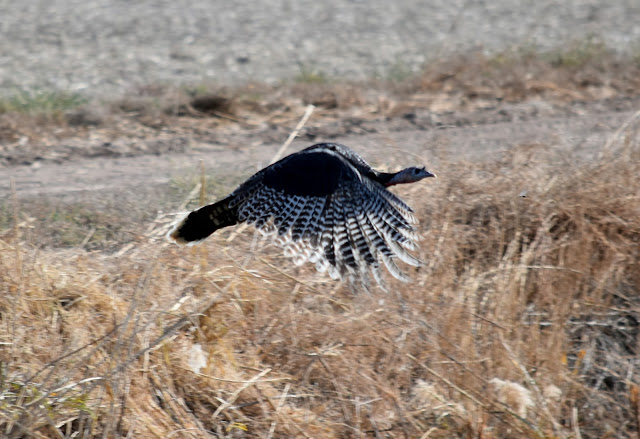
(201,223)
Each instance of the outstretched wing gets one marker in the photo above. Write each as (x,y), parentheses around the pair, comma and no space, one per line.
(322,210)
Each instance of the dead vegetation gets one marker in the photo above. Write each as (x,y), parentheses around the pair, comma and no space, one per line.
(33,124)
(523,322)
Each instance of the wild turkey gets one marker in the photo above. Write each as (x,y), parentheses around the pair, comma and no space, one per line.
(324,205)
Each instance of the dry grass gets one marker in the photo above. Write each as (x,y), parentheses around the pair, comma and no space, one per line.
(585,71)
(522,323)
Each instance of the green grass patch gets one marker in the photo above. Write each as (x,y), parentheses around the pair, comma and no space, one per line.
(79,224)
(310,75)
(399,71)
(577,54)
(41,102)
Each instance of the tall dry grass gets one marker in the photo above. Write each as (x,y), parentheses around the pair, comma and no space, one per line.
(523,322)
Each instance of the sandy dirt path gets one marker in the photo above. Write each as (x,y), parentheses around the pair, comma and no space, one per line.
(580,137)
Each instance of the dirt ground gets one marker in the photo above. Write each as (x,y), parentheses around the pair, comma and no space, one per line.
(103,48)
(86,167)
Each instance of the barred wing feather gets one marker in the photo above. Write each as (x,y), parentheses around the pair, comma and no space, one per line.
(349,232)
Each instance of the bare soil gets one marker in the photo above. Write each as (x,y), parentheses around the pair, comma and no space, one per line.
(105,48)
(95,165)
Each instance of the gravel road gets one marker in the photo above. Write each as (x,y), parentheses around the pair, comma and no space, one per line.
(103,47)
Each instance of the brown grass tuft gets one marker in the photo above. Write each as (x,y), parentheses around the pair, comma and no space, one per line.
(584,71)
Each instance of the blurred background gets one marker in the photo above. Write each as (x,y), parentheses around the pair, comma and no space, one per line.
(106,46)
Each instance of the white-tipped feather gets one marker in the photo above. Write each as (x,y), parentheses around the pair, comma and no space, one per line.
(349,226)
(393,268)
(403,255)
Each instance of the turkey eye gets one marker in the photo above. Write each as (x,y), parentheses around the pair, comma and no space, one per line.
(416,171)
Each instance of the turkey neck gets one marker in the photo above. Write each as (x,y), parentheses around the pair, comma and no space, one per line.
(383,177)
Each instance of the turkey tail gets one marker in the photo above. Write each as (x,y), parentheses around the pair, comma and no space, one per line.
(203,222)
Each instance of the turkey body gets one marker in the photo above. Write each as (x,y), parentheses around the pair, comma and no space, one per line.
(323,205)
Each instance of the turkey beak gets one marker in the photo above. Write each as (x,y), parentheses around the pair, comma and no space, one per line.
(429,174)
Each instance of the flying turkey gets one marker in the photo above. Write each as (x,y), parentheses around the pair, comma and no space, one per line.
(324,205)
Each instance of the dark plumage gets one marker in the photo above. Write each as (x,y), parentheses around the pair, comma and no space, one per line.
(324,205)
